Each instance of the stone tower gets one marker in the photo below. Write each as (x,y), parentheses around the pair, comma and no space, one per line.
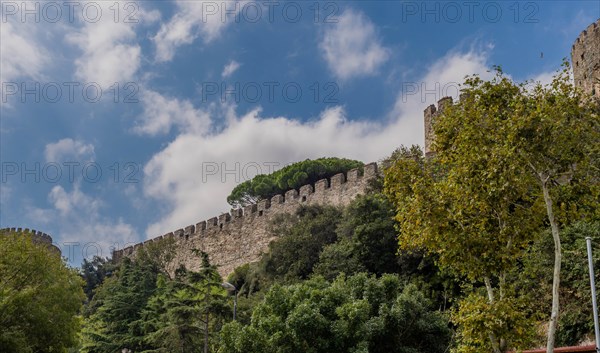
(585,58)
(429,115)
(37,236)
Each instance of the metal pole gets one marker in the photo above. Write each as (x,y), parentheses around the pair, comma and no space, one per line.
(235,304)
(593,286)
(230,287)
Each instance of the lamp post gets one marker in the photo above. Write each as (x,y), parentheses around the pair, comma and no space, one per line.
(231,288)
(588,240)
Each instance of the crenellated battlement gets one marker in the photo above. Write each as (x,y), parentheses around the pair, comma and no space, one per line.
(36,235)
(240,235)
(429,115)
(583,36)
(585,59)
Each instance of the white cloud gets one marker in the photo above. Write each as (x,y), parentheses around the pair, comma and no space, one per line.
(162,113)
(24,55)
(351,46)
(81,230)
(230,68)
(182,174)
(544,78)
(68,149)
(193,19)
(66,202)
(77,217)
(110,52)
(443,79)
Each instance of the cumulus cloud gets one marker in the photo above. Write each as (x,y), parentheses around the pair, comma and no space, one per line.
(81,229)
(193,19)
(197,170)
(66,202)
(443,79)
(230,68)
(68,149)
(162,113)
(77,217)
(110,52)
(351,46)
(24,54)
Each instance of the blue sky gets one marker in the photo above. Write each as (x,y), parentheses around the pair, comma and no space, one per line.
(121,121)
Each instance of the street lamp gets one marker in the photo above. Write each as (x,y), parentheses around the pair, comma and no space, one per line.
(231,288)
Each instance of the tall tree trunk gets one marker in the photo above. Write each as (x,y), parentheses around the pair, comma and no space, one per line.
(557,263)
(206,301)
(490,292)
(206,334)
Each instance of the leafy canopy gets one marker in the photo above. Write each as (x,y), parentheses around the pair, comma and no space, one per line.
(356,314)
(40,297)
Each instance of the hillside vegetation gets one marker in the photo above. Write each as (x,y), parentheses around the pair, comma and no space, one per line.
(479,247)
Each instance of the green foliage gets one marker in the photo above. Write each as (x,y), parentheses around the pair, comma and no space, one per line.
(143,309)
(368,222)
(290,177)
(324,241)
(178,316)
(575,320)
(355,314)
(302,238)
(508,317)
(114,314)
(94,272)
(504,155)
(40,297)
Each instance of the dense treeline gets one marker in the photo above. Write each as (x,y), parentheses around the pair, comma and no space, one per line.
(144,307)
(341,262)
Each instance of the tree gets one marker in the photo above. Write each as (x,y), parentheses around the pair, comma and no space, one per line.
(40,297)
(556,136)
(575,317)
(94,272)
(468,204)
(113,319)
(366,239)
(504,155)
(356,314)
(178,316)
(301,238)
(290,177)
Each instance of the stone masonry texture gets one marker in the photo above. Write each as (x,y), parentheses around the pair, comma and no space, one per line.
(241,236)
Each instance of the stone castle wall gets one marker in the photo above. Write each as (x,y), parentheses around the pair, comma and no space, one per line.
(241,236)
(37,236)
(429,115)
(585,58)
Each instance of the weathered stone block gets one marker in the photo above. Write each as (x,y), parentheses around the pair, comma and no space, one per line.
(211,223)
(291,195)
(321,185)
(224,218)
(306,190)
(337,180)
(353,174)
(264,204)
(277,199)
